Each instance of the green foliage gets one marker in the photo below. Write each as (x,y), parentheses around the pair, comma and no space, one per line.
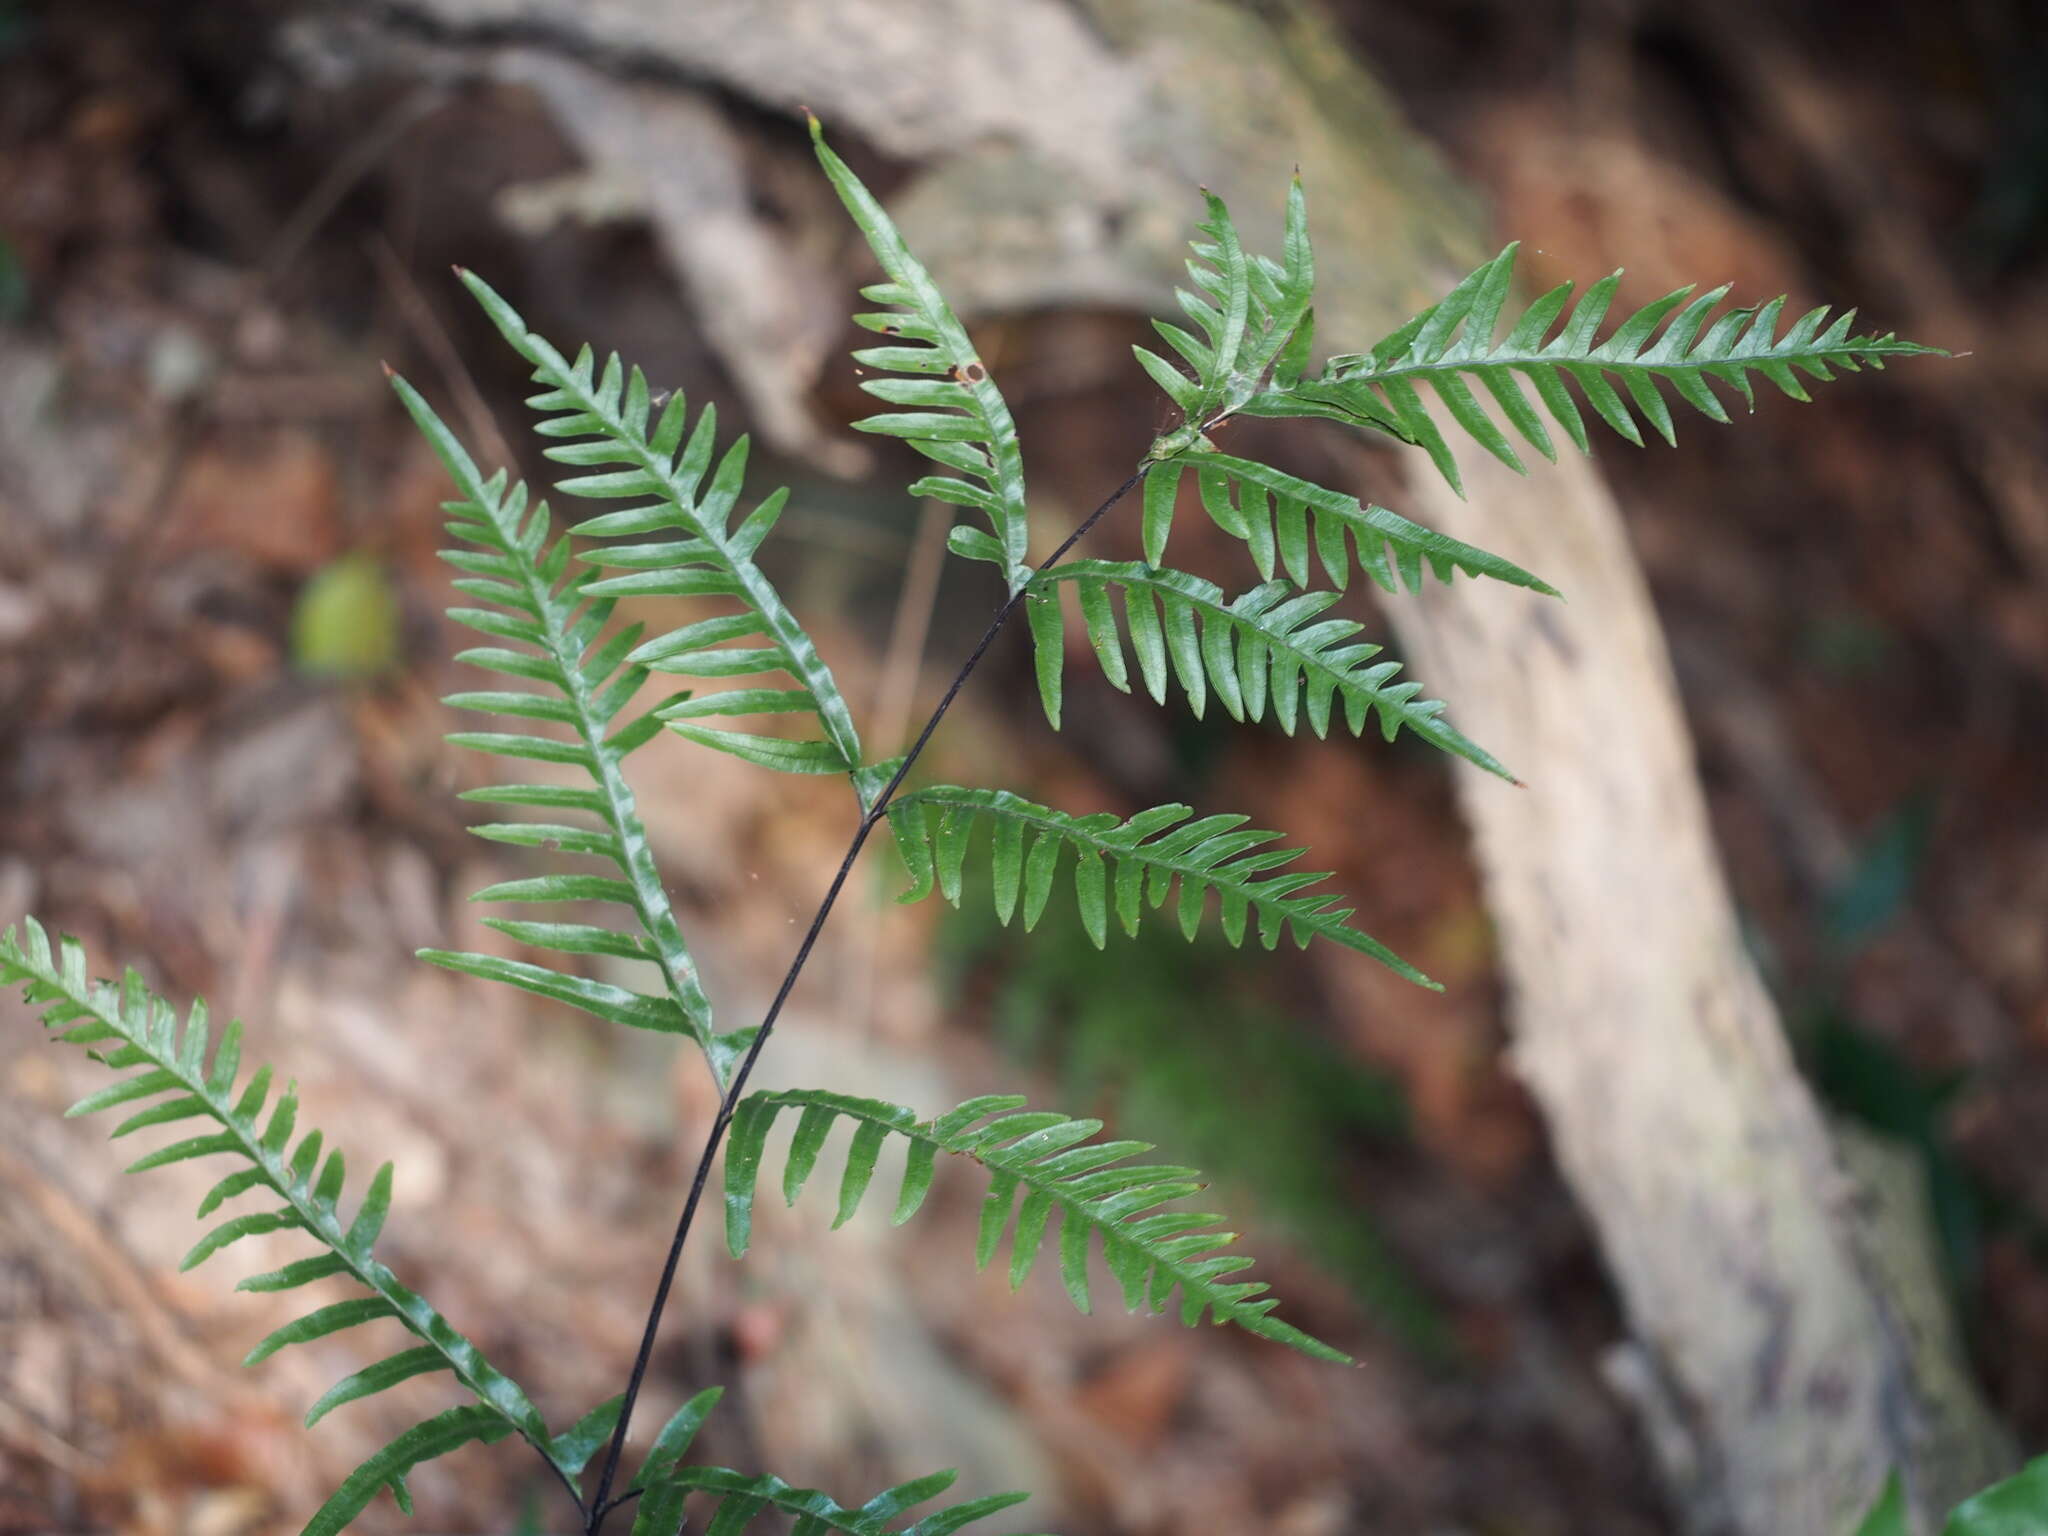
(1180,1044)
(663,1484)
(2016,1507)
(1454,341)
(744,1499)
(1256,650)
(1053,1160)
(573,681)
(192,1075)
(1273,510)
(1254,315)
(1249,309)
(676,1437)
(1150,853)
(957,416)
(444,1432)
(552,628)
(1887,1516)
(575,1445)
(607,416)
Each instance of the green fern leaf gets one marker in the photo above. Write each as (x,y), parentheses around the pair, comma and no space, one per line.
(437,1436)
(371,1379)
(676,1437)
(1258,651)
(1249,309)
(2013,1507)
(600,999)
(1283,517)
(743,1499)
(574,1446)
(959,418)
(1888,1516)
(1061,1171)
(188,1061)
(1452,344)
(558,630)
(610,416)
(1148,854)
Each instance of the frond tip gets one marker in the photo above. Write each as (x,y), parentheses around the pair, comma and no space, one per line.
(1253,313)
(1453,341)
(1150,852)
(954,414)
(659,462)
(1097,1193)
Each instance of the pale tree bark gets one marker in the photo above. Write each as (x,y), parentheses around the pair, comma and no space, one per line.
(1787,1352)
(1790,1346)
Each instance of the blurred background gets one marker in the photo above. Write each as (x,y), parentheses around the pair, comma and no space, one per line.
(221,653)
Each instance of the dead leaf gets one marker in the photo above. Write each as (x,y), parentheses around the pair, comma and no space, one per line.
(271,497)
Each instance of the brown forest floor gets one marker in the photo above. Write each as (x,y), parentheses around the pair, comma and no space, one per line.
(204,276)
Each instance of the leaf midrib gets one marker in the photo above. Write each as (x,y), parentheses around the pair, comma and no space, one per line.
(657,918)
(1548,358)
(371,1273)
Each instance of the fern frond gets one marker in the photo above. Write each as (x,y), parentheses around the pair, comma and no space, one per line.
(1453,341)
(1273,512)
(1151,1252)
(676,1438)
(192,1075)
(744,1499)
(1150,852)
(608,414)
(1249,309)
(954,413)
(551,628)
(1256,650)
(437,1436)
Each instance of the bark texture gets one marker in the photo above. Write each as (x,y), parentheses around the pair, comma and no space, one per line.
(1786,1352)
(1785,1357)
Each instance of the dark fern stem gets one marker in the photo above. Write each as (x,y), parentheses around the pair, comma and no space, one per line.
(601,1503)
